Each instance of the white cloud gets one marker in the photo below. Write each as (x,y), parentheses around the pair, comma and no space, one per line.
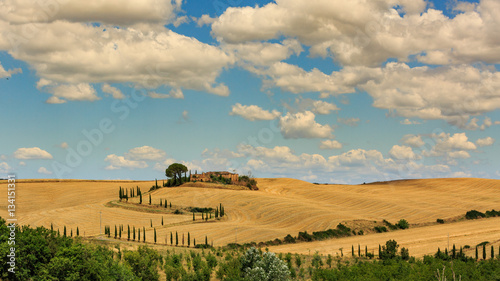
(185,116)
(22,163)
(43,170)
(64,145)
(413,140)
(357,157)
(461,154)
(253,112)
(485,142)
(8,73)
(115,93)
(31,153)
(409,122)
(4,168)
(316,106)
(118,162)
(330,144)
(205,20)
(458,141)
(460,174)
(369,32)
(174,94)
(113,12)
(303,125)
(78,92)
(403,152)
(73,53)
(145,153)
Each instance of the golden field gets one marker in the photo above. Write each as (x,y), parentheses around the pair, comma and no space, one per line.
(278,208)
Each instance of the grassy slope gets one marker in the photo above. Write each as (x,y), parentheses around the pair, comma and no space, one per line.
(280,207)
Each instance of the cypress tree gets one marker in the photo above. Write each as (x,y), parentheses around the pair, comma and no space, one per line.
(379,250)
(210,215)
(149,199)
(352,250)
(194,242)
(176,239)
(171,238)
(120,195)
(484,251)
(461,252)
(165,205)
(140,198)
(156,186)
(170,204)
(116,231)
(477,256)
(133,236)
(138,234)
(51,227)
(144,234)
(155,235)
(216,212)
(64,233)
(189,240)
(161,220)
(453,252)
(71,231)
(492,252)
(58,233)
(183,239)
(160,202)
(359,250)
(193,217)
(77,231)
(202,216)
(366,251)
(151,222)
(120,232)
(206,240)
(128,232)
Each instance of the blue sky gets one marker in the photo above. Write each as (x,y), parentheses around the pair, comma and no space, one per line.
(329,91)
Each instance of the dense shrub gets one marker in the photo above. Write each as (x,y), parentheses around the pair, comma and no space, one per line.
(441,221)
(380,229)
(473,214)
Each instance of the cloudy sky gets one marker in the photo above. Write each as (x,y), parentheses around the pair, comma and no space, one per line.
(325,91)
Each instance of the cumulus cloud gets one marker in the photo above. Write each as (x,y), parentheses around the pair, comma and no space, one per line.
(43,170)
(369,33)
(303,125)
(113,12)
(118,162)
(115,93)
(145,153)
(25,153)
(64,145)
(8,73)
(485,142)
(131,45)
(461,154)
(413,140)
(4,168)
(253,112)
(78,92)
(409,122)
(402,152)
(316,106)
(174,94)
(330,144)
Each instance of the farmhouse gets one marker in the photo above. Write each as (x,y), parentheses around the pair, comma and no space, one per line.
(206,177)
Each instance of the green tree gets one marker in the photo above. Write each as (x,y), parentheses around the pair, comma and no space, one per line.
(171,239)
(189,240)
(133,236)
(128,232)
(155,235)
(150,199)
(64,232)
(140,198)
(77,231)
(263,267)
(161,220)
(143,234)
(484,251)
(175,171)
(143,262)
(176,239)
(390,250)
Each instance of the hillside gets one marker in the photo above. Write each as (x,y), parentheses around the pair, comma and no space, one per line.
(278,208)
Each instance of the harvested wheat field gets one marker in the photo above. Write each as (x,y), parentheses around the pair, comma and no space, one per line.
(278,208)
